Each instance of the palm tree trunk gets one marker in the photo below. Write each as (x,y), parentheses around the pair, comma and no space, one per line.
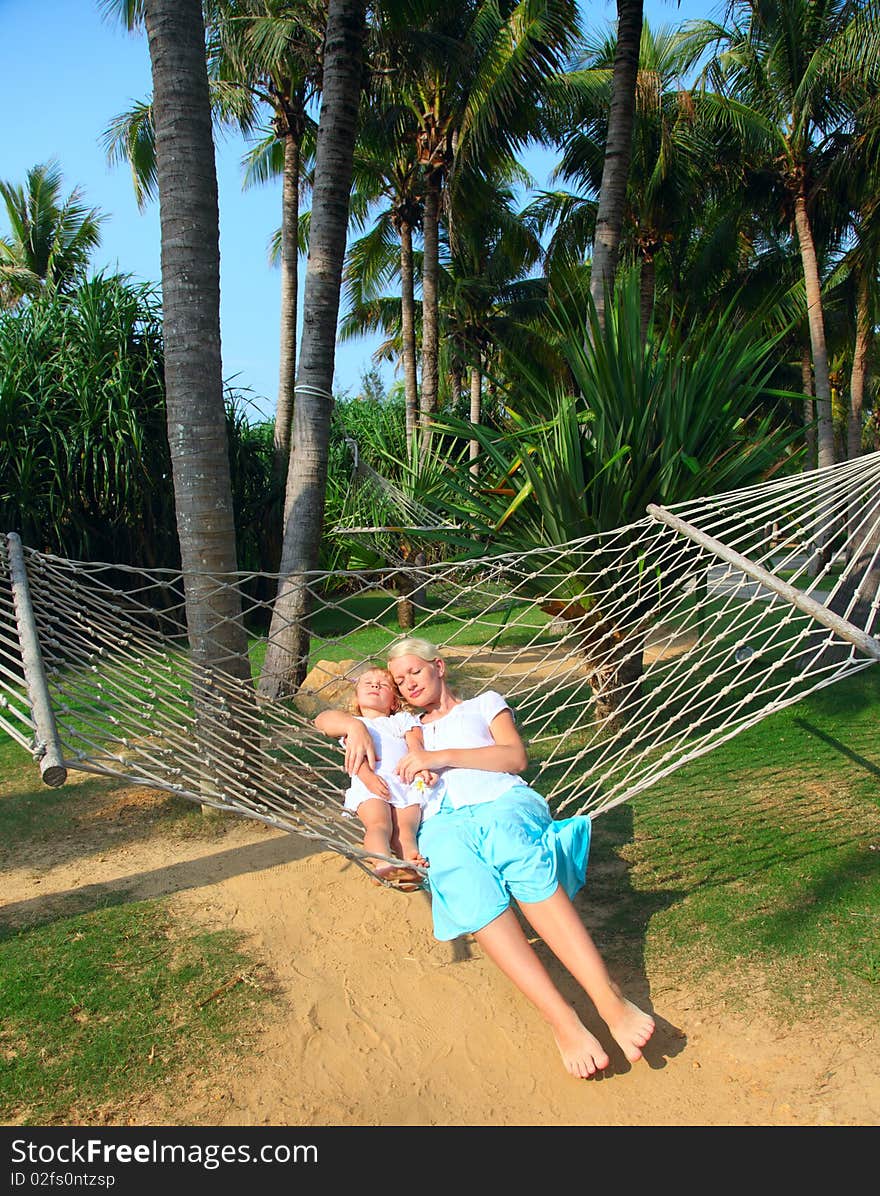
(456,385)
(856,598)
(190,238)
(408,332)
(809,406)
(189,222)
(647,288)
(287,651)
(430,306)
(864,339)
(616,661)
(289,288)
(476,403)
(816,321)
(618,152)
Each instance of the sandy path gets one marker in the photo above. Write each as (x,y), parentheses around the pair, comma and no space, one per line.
(381,1025)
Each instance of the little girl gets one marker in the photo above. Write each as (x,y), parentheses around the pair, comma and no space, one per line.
(389,808)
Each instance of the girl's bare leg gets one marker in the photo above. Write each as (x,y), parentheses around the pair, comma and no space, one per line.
(506,945)
(405,828)
(375,814)
(557,922)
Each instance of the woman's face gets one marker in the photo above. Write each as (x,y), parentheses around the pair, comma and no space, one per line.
(420,681)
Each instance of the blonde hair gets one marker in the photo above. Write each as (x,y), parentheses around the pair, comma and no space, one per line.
(355,675)
(414,646)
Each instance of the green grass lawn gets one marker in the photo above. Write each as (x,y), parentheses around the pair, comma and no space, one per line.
(102,1004)
(105,997)
(766,853)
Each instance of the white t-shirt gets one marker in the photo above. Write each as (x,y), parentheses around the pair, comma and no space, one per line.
(388,734)
(467,726)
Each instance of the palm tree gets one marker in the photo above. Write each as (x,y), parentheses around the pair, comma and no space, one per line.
(856,184)
(196,418)
(867,304)
(482,276)
(51,238)
(389,183)
(618,149)
(789,76)
(673,164)
(268,53)
(287,651)
(261,53)
(476,101)
(487,285)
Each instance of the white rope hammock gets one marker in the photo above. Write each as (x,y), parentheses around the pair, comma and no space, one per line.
(624,655)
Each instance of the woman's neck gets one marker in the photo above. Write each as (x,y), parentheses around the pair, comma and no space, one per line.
(442,706)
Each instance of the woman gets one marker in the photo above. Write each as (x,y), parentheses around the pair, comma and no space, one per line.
(489,837)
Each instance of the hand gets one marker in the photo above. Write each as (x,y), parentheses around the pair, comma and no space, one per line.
(376,784)
(427,777)
(413,763)
(359,748)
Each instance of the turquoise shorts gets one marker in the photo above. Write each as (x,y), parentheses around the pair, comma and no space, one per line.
(480,856)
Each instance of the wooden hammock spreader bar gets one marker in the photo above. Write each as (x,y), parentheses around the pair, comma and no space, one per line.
(48,745)
(848,631)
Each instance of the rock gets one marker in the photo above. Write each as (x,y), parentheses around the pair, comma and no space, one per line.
(326,684)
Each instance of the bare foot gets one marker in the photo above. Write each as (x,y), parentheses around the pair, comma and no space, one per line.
(410,851)
(582,1053)
(402,878)
(631,1029)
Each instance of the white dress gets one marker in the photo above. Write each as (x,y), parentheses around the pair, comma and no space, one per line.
(388,734)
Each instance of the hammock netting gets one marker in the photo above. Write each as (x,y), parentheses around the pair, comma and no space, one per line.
(624,655)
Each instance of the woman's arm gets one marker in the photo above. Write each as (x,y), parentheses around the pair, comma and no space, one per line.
(507,755)
(415,742)
(359,746)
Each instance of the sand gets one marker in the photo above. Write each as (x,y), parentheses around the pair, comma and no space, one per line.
(378,1024)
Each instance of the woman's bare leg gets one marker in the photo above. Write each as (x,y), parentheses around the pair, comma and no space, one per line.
(558,924)
(506,945)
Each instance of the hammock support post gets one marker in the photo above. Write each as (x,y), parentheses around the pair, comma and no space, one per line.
(47,744)
(861,639)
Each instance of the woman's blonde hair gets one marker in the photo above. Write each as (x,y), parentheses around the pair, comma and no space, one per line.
(413,645)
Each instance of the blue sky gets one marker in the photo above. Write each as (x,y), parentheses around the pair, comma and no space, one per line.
(66,72)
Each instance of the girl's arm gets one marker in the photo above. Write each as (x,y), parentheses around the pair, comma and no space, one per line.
(507,755)
(376,784)
(359,746)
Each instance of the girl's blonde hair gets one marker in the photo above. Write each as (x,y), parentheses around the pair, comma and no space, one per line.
(359,672)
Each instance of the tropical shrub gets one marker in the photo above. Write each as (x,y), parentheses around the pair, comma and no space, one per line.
(84,464)
(85,470)
(623,422)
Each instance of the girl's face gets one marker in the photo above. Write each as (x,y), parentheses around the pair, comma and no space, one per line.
(374,690)
(420,681)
